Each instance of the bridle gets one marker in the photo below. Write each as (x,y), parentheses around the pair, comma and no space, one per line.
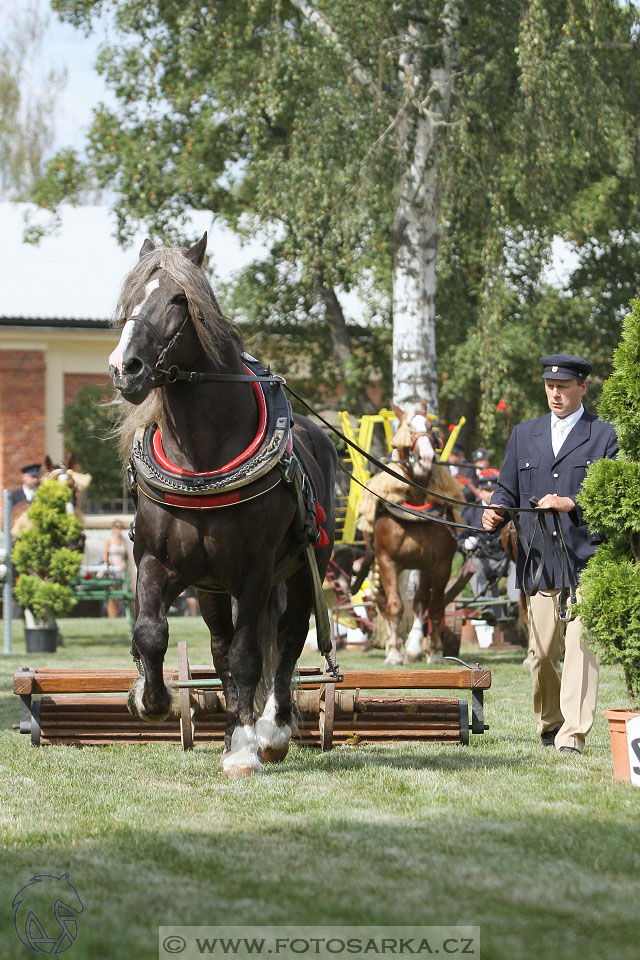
(160,376)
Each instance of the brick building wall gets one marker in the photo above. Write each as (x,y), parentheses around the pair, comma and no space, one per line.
(74,382)
(22,405)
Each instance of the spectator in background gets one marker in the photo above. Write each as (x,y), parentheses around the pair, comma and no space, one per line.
(29,478)
(456,466)
(114,558)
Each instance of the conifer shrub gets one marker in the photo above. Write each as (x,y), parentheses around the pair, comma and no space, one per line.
(610,500)
(48,554)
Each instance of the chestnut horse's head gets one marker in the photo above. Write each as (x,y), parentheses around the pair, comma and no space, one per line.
(165,301)
(412,441)
(64,473)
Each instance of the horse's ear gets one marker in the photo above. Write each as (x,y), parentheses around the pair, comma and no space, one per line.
(146,248)
(48,463)
(423,407)
(400,414)
(197,251)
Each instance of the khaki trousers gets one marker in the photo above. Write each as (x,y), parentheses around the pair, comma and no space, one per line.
(562,697)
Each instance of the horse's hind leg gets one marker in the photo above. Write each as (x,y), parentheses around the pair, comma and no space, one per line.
(275,726)
(216,612)
(149,698)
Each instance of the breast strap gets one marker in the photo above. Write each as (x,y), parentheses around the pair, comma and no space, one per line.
(149,462)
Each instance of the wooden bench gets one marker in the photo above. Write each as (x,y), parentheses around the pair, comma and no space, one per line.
(89,707)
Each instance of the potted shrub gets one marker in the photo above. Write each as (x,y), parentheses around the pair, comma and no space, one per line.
(610,499)
(47,555)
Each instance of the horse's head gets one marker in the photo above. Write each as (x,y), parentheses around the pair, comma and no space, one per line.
(156,306)
(64,473)
(412,441)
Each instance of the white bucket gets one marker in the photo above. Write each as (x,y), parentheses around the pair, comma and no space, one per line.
(484,633)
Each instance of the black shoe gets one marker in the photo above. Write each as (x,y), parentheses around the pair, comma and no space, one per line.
(547,738)
(569,750)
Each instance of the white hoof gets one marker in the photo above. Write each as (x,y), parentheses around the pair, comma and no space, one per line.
(242,759)
(273,738)
(435,658)
(393,658)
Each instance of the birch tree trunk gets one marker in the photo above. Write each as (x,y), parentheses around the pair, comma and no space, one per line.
(415,234)
(422,116)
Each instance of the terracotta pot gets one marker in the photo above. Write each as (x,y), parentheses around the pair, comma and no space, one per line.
(468,633)
(619,749)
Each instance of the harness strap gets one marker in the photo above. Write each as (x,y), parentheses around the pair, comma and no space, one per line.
(531,580)
(307,534)
(173,374)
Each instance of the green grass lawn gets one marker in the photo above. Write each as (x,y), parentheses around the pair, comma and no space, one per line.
(538,850)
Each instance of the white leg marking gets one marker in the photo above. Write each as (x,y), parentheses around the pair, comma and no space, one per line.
(269,733)
(413,646)
(242,759)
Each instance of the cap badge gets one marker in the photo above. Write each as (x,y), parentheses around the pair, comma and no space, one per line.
(554,369)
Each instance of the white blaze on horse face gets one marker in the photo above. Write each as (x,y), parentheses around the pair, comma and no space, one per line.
(117,357)
(423,451)
(148,290)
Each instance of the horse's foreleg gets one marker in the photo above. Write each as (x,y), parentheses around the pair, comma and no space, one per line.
(413,650)
(149,698)
(436,616)
(275,726)
(240,758)
(393,608)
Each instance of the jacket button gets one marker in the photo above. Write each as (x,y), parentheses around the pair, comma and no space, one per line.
(554,533)
(526,464)
(555,476)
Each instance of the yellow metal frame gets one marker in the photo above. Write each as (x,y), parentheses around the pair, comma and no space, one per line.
(346,532)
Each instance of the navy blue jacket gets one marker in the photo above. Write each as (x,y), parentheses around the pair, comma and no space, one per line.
(530,469)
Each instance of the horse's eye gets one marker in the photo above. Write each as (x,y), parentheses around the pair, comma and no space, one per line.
(179,300)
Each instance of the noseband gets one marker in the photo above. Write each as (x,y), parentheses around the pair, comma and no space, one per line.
(159,376)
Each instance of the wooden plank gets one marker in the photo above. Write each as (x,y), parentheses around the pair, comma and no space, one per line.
(85,680)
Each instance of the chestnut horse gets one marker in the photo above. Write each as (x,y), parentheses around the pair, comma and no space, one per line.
(407,542)
(220,488)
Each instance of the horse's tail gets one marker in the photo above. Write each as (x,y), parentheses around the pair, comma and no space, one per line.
(276,605)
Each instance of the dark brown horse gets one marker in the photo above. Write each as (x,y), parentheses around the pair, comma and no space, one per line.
(220,497)
(402,542)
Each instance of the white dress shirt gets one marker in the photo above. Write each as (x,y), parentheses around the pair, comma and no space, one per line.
(561,428)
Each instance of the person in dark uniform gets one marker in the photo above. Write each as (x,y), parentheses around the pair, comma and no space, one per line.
(30,478)
(491,561)
(548,458)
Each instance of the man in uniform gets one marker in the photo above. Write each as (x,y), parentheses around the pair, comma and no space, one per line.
(30,478)
(547,459)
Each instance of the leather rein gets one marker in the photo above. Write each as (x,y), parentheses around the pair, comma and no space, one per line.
(531,578)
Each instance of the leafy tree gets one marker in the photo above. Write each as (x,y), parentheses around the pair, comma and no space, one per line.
(88,430)
(27,107)
(610,500)
(386,146)
(48,554)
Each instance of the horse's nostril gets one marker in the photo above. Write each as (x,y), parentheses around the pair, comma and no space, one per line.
(133,366)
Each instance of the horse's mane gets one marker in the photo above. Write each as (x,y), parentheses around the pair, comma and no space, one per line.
(208,320)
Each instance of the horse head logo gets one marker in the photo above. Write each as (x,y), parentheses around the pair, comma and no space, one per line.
(55,931)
